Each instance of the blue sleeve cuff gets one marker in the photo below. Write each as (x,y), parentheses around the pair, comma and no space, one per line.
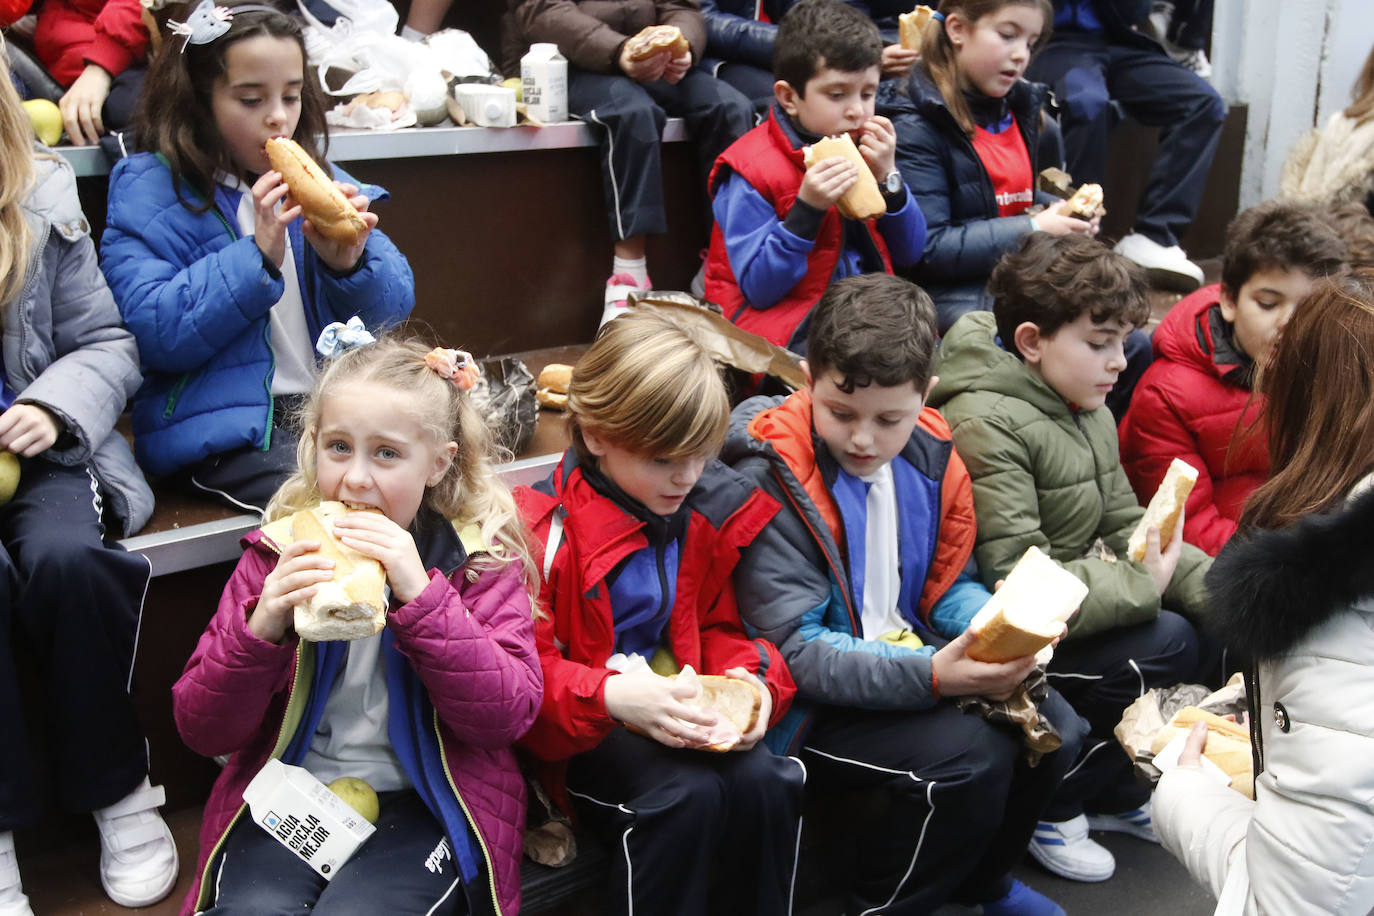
(958,605)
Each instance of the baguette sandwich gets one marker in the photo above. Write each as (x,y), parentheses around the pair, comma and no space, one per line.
(863,200)
(911,27)
(329,211)
(736,702)
(1228,745)
(1165,508)
(553,385)
(1028,611)
(655,40)
(1086,201)
(352,605)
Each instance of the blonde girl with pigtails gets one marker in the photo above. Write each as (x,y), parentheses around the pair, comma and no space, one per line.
(426,710)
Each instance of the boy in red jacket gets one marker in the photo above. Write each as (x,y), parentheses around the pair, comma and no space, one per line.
(1195,402)
(641,528)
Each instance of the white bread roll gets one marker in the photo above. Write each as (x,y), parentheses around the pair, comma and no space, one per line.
(1228,745)
(1165,508)
(911,27)
(352,605)
(332,214)
(1028,611)
(863,200)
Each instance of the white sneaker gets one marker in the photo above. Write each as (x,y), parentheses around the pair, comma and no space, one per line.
(1166,267)
(138,857)
(13,902)
(1135,822)
(1194,59)
(1065,849)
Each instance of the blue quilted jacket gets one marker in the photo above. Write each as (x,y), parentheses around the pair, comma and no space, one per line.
(197,297)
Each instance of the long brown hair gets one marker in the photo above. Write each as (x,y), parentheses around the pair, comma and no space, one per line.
(16,181)
(937,51)
(175,118)
(1319,412)
(1362,107)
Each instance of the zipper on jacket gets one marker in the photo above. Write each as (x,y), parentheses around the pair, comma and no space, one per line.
(267,385)
(278,746)
(26,291)
(662,551)
(472,821)
(174,395)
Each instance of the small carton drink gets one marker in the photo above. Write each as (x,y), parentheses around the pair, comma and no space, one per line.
(305,817)
(544,83)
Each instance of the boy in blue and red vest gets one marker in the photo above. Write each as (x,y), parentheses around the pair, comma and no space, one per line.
(779,241)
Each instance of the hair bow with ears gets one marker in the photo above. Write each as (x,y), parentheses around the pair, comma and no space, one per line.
(208,21)
(457,366)
(338,338)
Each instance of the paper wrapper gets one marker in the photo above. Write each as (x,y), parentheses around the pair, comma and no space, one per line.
(365,118)
(1148,714)
(726,343)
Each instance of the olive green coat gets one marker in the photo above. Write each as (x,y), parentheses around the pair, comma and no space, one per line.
(1050,476)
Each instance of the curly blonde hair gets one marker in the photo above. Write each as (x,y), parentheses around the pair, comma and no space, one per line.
(470,492)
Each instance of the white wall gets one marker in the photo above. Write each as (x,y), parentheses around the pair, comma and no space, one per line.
(1293,62)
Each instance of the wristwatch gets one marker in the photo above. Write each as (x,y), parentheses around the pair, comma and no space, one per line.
(892,183)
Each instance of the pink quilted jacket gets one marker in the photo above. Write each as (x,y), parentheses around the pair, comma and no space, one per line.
(470,642)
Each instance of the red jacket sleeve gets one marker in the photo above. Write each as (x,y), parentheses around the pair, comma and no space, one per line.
(1152,436)
(221,700)
(725,645)
(120,38)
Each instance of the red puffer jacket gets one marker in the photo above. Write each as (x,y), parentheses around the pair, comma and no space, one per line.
(1194,403)
(106,32)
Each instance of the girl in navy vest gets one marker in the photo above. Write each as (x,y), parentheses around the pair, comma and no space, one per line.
(222,282)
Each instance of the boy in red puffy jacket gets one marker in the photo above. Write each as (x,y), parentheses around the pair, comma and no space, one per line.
(1195,400)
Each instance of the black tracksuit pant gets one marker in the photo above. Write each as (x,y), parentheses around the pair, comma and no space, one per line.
(628,119)
(692,832)
(945,806)
(1088,74)
(70,604)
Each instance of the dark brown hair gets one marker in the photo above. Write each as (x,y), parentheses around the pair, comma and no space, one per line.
(816,34)
(1279,235)
(1355,226)
(1051,280)
(1361,107)
(873,329)
(1319,407)
(174,117)
(937,51)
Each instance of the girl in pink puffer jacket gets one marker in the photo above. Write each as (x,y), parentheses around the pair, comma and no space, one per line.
(426,710)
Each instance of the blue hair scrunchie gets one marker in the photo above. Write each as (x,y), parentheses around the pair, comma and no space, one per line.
(338,338)
(938,16)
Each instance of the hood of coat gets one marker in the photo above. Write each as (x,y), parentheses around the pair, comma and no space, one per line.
(1270,588)
(970,359)
(1192,334)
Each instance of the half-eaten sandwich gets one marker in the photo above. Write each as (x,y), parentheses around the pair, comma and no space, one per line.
(351,605)
(1028,611)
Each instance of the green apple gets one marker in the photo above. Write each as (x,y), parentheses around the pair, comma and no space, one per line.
(46,120)
(9,475)
(518,85)
(361,797)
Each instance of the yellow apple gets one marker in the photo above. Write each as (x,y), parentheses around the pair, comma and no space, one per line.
(361,797)
(46,119)
(9,475)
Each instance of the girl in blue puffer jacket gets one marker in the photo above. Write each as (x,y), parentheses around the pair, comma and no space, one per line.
(222,282)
